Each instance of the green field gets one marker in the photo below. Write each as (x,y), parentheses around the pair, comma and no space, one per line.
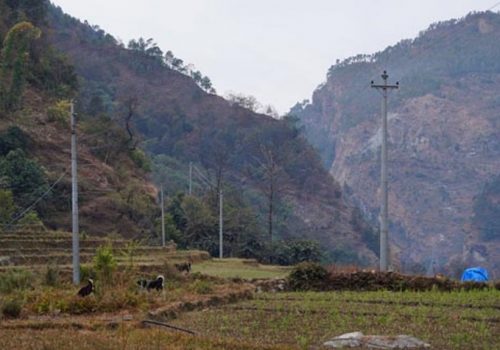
(458,320)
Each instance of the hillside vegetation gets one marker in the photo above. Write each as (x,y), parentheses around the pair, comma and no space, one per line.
(36,86)
(275,187)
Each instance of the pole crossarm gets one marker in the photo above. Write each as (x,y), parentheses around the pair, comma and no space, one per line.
(384,86)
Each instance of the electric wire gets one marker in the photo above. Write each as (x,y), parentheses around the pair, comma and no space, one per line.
(27,209)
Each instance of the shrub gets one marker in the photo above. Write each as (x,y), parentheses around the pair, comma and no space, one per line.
(11,308)
(59,112)
(13,280)
(24,176)
(104,263)
(32,220)
(11,139)
(87,272)
(7,206)
(294,252)
(201,287)
(51,277)
(307,276)
(78,305)
(141,160)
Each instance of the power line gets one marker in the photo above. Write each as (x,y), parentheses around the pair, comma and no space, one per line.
(492,7)
(26,210)
(204,179)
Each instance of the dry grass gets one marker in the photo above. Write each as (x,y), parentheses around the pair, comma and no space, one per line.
(240,268)
(121,339)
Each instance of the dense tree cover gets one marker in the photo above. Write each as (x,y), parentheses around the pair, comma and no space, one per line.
(23,176)
(31,70)
(26,57)
(14,63)
(487,210)
(150,50)
(11,139)
(192,223)
(33,10)
(22,180)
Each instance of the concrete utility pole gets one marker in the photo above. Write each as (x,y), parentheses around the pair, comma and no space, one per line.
(221,251)
(384,216)
(74,199)
(190,178)
(162,218)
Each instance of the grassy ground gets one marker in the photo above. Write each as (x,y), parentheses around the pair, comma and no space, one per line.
(458,320)
(55,318)
(239,268)
(120,339)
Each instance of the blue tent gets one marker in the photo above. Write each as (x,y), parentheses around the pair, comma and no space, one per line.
(475,274)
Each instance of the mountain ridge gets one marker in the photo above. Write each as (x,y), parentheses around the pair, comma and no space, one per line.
(443,133)
(176,121)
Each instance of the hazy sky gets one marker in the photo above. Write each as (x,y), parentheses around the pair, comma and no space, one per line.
(276,50)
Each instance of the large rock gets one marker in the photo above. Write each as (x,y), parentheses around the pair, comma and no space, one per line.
(358,339)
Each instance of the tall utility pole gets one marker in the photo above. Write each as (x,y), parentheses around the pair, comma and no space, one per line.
(221,251)
(190,178)
(162,218)
(74,199)
(384,216)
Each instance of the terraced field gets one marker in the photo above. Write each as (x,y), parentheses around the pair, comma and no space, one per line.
(215,304)
(35,250)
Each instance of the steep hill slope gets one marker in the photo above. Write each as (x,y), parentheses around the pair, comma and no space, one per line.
(444,136)
(256,159)
(36,84)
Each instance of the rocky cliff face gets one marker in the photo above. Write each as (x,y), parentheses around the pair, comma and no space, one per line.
(444,140)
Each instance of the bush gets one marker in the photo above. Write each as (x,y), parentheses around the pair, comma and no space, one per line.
(13,280)
(87,272)
(59,112)
(24,176)
(7,206)
(11,308)
(52,275)
(32,220)
(141,160)
(104,263)
(11,139)
(307,276)
(77,305)
(294,252)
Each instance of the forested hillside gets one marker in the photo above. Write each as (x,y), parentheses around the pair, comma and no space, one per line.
(444,141)
(274,184)
(36,86)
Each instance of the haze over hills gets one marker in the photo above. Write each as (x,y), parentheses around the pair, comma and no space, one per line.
(137,99)
(444,141)
(262,163)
